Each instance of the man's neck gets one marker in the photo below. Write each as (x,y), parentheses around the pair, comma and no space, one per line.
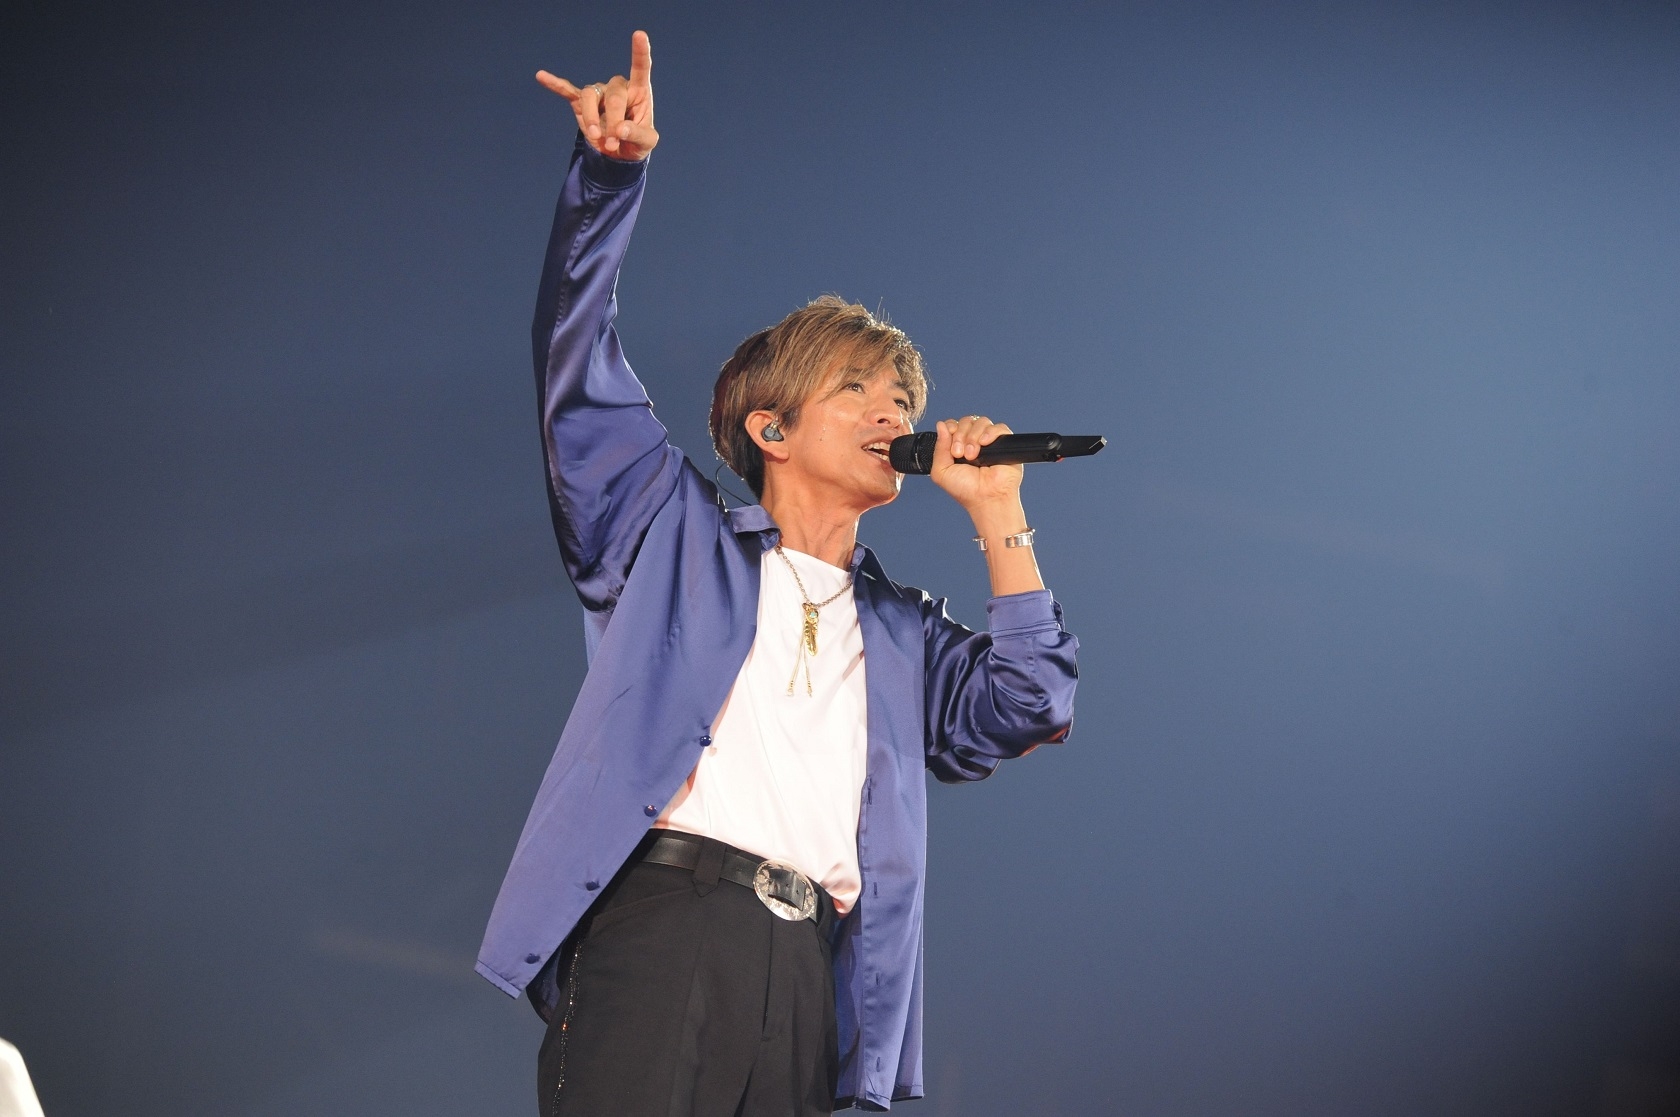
(817,529)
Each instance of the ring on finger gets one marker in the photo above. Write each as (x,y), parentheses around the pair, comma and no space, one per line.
(600,90)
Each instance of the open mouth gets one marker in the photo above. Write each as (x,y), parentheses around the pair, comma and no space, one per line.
(879,449)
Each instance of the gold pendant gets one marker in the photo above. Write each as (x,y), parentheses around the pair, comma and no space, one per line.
(810,633)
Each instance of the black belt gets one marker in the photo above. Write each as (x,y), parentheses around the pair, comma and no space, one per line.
(780,887)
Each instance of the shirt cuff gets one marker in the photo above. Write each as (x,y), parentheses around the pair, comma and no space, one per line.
(1018,613)
(605,173)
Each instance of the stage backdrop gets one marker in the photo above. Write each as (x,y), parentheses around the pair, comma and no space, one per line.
(1372,805)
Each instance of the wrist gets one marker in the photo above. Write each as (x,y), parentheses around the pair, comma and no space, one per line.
(996,519)
(607,172)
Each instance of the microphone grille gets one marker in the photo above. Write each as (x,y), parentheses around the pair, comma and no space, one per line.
(913,453)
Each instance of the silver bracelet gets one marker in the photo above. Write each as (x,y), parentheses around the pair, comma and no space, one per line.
(1020,539)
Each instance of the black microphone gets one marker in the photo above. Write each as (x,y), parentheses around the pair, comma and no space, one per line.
(913,453)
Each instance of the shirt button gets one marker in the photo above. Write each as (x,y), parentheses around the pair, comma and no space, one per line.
(650,810)
(592,885)
(705,738)
(532,959)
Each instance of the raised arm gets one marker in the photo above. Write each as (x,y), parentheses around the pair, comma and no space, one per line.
(1000,693)
(610,467)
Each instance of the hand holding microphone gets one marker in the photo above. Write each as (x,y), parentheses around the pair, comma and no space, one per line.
(987,494)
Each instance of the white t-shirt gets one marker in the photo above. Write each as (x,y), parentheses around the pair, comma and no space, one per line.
(783,776)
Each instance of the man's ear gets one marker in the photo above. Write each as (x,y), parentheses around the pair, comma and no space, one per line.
(764,428)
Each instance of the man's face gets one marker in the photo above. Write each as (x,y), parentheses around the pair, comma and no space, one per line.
(839,444)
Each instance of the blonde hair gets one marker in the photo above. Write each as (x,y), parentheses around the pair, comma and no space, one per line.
(778,369)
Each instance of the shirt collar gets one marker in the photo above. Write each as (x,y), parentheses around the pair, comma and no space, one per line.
(751,518)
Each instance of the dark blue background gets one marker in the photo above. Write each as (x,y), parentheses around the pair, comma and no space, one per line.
(1373,801)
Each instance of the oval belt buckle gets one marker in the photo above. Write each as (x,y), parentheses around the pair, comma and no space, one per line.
(785,890)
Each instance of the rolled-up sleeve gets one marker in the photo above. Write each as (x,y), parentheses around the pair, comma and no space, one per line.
(996,694)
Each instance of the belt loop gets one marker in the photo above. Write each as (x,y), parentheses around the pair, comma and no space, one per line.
(709,866)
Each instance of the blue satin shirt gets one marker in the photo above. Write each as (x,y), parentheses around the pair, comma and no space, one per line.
(669,584)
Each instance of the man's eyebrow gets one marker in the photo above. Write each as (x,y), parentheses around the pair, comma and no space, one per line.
(866,372)
(859,372)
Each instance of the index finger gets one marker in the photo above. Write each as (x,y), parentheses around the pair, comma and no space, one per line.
(558,85)
(641,60)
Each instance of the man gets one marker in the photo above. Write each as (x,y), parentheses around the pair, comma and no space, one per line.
(716,902)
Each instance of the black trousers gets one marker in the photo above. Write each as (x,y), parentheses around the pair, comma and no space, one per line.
(686,997)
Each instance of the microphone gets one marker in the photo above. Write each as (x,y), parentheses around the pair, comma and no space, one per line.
(913,453)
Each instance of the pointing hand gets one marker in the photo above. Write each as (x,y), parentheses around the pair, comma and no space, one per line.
(616,116)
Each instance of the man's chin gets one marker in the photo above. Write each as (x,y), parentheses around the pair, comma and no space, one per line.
(873,489)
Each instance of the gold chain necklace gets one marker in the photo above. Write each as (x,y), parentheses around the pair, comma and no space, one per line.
(808,634)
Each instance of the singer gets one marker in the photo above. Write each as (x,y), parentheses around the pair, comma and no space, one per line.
(716,902)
